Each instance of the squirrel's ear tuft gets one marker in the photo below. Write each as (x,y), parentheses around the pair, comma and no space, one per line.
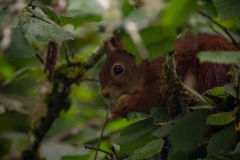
(113,45)
(109,48)
(117,42)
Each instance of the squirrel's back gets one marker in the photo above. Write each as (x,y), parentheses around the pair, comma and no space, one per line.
(207,75)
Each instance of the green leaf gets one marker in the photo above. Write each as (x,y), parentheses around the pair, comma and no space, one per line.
(223,141)
(115,125)
(19,46)
(225,57)
(217,92)
(209,8)
(204,106)
(189,131)
(160,115)
(3,16)
(126,8)
(221,118)
(163,131)
(80,19)
(44,31)
(229,88)
(227,8)
(37,15)
(177,12)
(24,72)
(135,130)
(176,156)
(51,14)
(152,37)
(8,68)
(152,148)
(130,146)
(138,16)
(135,136)
(89,6)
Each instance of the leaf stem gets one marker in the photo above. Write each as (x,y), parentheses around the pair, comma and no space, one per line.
(98,149)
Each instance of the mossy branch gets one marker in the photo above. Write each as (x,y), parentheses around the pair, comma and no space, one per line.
(173,83)
(58,99)
(56,104)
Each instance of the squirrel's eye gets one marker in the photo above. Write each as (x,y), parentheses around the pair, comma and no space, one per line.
(118,69)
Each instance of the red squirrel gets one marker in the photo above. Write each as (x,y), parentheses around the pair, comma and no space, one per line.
(136,87)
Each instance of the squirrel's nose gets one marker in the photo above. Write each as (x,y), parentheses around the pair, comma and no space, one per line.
(105,93)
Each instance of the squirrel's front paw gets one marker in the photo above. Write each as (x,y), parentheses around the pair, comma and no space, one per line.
(123,106)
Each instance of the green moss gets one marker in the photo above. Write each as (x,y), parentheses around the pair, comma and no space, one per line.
(68,73)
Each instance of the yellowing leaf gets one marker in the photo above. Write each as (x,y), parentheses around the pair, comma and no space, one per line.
(221,118)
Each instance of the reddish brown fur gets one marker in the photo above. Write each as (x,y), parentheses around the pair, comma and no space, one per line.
(141,83)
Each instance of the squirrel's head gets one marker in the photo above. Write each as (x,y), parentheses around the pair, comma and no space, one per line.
(120,73)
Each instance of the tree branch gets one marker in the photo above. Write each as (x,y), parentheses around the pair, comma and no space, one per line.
(92,59)
(58,100)
(55,105)
(221,26)
(39,58)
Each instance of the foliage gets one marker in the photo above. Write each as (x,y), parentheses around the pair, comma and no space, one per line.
(50,106)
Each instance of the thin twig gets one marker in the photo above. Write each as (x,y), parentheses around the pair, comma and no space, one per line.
(101,135)
(221,26)
(30,3)
(96,55)
(66,53)
(98,149)
(39,58)
(105,136)
(114,153)
(215,30)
